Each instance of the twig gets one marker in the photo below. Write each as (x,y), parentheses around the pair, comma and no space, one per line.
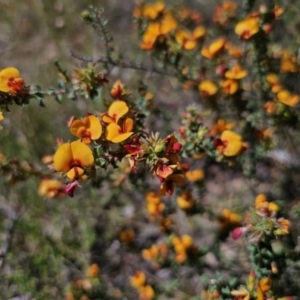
(125,65)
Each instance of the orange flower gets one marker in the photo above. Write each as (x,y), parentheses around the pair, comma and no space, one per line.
(51,188)
(157,30)
(230,143)
(118,90)
(93,271)
(247,28)
(224,12)
(155,209)
(270,107)
(188,40)
(284,225)
(233,50)
(229,86)
(155,252)
(289,62)
(116,111)
(118,134)
(228,217)
(195,175)
(273,80)
(146,292)
(181,247)
(153,197)
(237,72)
(185,201)
(138,279)
(207,88)
(88,129)
(73,158)
(214,48)
(220,126)
(151,11)
(10,81)
(278,11)
(285,97)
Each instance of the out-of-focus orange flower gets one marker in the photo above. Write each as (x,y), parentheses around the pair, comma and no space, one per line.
(155,209)
(263,207)
(270,107)
(224,12)
(116,111)
(195,175)
(278,11)
(207,88)
(157,30)
(247,28)
(152,11)
(155,252)
(153,197)
(10,81)
(182,246)
(188,40)
(229,86)
(118,134)
(127,236)
(73,158)
(1,116)
(229,217)
(138,279)
(237,73)
(230,143)
(284,225)
(289,62)
(118,90)
(185,201)
(50,188)
(234,51)
(88,129)
(273,80)
(214,48)
(285,97)
(220,126)
(93,271)
(146,292)
(260,198)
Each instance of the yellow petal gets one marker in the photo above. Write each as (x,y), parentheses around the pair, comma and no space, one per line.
(75,173)
(128,125)
(112,130)
(76,126)
(122,137)
(63,158)
(82,154)
(93,123)
(117,110)
(5,75)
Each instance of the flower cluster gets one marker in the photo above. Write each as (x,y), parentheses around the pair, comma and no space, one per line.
(139,282)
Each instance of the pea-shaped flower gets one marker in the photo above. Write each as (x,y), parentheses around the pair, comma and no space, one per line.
(73,158)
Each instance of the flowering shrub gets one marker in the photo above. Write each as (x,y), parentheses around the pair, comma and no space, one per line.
(174,180)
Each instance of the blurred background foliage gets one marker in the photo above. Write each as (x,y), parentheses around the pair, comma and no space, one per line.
(50,243)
